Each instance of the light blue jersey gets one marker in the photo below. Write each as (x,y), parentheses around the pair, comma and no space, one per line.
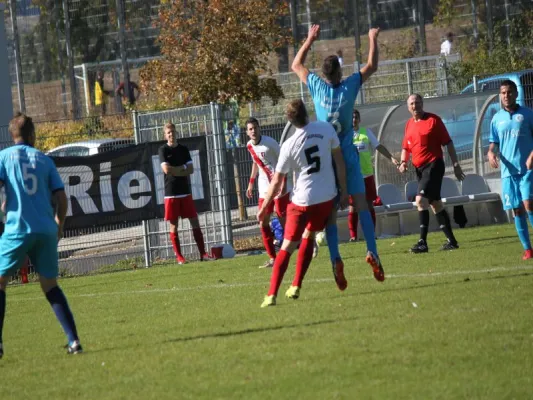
(335,105)
(29,178)
(513,132)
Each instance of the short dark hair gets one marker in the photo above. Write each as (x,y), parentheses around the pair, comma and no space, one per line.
(509,83)
(356,112)
(297,113)
(331,67)
(252,121)
(21,127)
(449,35)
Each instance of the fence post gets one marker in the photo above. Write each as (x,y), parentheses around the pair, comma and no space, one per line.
(18,61)
(86,89)
(409,79)
(474,82)
(221,174)
(70,60)
(146,232)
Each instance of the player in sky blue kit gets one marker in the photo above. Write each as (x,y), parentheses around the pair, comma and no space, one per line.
(32,228)
(334,101)
(511,148)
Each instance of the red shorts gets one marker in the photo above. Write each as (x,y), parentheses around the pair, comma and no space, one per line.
(281,204)
(370,189)
(176,207)
(313,218)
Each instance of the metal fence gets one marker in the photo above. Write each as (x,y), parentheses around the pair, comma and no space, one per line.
(42,80)
(231,218)
(394,80)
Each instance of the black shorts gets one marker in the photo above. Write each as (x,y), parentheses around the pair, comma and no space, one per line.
(430,179)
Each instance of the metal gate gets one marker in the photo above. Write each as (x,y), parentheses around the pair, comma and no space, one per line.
(216,223)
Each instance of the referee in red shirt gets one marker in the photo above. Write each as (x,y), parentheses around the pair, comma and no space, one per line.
(425,135)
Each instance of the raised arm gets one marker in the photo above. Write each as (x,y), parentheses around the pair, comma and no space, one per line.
(373,55)
(298,63)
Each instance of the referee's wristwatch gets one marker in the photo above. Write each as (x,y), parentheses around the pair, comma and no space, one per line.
(184,167)
(456,164)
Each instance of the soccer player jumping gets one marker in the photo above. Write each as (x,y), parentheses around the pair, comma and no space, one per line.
(511,140)
(334,100)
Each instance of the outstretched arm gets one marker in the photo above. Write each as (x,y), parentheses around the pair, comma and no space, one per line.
(373,55)
(298,63)
(383,150)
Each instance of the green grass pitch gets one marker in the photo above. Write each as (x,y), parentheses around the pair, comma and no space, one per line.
(455,325)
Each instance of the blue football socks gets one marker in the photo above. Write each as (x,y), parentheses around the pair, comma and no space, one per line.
(59,304)
(332,238)
(522,230)
(368,231)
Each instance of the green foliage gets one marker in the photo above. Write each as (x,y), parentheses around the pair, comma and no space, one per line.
(216,51)
(57,133)
(481,60)
(447,12)
(402,46)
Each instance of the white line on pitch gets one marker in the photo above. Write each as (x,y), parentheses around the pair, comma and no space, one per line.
(265,282)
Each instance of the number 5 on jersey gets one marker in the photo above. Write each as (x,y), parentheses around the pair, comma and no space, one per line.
(312,160)
(30,179)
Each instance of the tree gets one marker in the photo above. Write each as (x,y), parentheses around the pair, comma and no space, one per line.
(481,60)
(216,50)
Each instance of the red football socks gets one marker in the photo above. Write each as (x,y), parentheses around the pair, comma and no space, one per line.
(305,255)
(279,269)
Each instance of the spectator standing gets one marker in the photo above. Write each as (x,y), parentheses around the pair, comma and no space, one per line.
(446,46)
(177,165)
(134,93)
(100,94)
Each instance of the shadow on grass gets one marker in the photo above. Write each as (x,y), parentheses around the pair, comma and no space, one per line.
(256,330)
(487,239)
(466,279)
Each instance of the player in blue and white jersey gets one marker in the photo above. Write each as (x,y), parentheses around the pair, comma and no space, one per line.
(32,227)
(334,100)
(511,148)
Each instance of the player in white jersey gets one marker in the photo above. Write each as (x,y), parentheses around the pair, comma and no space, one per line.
(308,153)
(265,152)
